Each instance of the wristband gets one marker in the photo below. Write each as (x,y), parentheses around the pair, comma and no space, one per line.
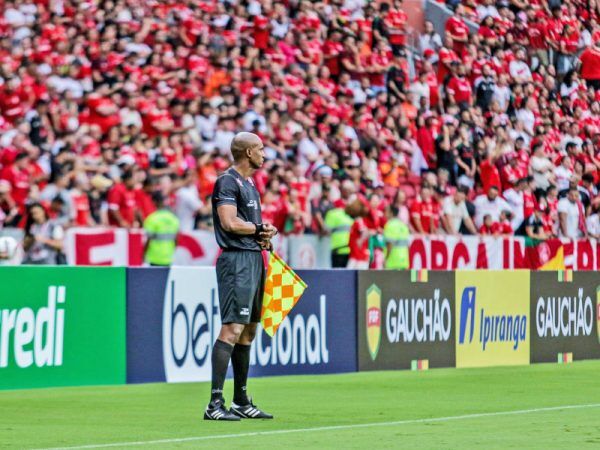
(260,227)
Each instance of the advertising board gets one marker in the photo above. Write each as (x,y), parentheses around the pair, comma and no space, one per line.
(405,317)
(61,326)
(492,314)
(565,310)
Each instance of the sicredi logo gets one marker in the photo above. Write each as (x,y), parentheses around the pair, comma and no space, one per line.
(490,328)
(190,324)
(301,340)
(45,328)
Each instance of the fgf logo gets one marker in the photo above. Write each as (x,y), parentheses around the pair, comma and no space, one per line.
(373,320)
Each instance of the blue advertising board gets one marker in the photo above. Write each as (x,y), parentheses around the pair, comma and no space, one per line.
(319,335)
(173,320)
(145,296)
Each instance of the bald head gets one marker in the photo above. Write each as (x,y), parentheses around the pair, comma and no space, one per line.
(242,142)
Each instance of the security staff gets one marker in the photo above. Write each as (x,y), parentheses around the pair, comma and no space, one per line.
(396,235)
(161,229)
(339,223)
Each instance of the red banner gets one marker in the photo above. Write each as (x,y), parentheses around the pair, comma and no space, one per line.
(119,247)
(484,252)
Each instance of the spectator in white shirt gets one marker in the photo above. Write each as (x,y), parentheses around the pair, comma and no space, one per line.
(280,23)
(527,115)
(487,8)
(593,223)
(130,115)
(420,91)
(541,167)
(515,198)
(519,68)
(570,138)
(255,114)
(224,135)
(206,122)
(455,213)
(188,204)
(430,40)
(568,213)
(502,93)
(563,173)
(16,18)
(490,204)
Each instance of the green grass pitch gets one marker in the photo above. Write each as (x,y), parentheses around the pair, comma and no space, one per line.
(332,411)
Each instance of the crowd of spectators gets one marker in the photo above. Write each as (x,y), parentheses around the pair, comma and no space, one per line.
(491,131)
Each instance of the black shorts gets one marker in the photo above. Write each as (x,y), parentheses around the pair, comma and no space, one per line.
(241,280)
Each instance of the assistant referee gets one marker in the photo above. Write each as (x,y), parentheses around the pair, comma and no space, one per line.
(240,276)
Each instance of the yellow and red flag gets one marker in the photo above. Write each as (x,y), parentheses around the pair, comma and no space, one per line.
(283,289)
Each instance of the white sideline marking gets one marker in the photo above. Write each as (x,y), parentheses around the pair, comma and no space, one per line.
(332,427)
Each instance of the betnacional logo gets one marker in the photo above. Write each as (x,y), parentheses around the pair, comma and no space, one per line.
(373,320)
(301,339)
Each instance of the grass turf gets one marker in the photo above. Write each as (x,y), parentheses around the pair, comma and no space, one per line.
(60,417)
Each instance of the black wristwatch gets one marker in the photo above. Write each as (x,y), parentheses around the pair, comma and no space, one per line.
(260,227)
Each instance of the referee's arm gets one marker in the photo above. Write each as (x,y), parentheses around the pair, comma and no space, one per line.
(232,223)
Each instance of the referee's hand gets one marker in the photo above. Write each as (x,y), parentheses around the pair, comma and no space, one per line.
(266,245)
(268,232)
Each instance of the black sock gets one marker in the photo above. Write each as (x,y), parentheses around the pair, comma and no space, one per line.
(240,360)
(221,354)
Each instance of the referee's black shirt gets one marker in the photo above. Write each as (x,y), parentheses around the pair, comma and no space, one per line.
(232,189)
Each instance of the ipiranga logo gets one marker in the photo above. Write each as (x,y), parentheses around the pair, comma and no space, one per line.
(490,328)
(19,328)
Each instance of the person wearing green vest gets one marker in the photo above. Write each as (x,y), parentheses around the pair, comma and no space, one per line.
(161,229)
(338,223)
(396,235)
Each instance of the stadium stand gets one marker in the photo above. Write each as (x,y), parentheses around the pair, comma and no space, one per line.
(104,102)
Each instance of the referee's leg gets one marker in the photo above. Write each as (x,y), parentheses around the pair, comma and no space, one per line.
(240,361)
(221,354)
(222,350)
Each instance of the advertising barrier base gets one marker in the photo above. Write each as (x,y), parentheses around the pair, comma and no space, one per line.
(66,326)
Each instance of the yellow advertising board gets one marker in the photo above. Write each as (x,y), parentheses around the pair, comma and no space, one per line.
(492,314)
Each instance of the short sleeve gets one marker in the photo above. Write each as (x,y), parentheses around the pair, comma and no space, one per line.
(58,233)
(114,199)
(563,207)
(226,191)
(194,202)
(415,210)
(447,206)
